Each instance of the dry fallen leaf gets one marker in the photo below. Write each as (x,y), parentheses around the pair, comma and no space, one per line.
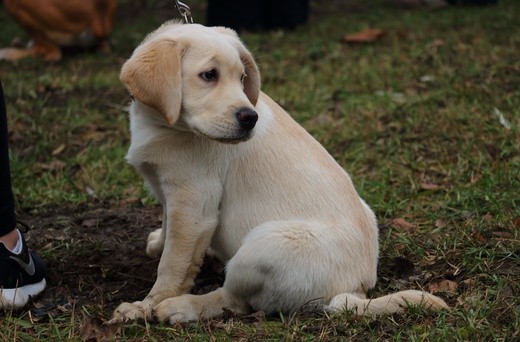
(469,282)
(401,223)
(440,223)
(468,301)
(366,36)
(93,329)
(90,191)
(445,285)
(429,186)
(58,150)
(55,165)
(434,45)
(90,222)
(323,119)
(488,218)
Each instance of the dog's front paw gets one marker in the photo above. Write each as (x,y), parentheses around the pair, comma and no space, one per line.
(155,244)
(131,312)
(176,309)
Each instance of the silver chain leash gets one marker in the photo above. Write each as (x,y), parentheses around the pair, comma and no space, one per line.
(184,11)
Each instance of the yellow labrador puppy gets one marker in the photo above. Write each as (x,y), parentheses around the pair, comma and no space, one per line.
(239,178)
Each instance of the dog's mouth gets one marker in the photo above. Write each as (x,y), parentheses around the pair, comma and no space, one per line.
(235,140)
(241,136)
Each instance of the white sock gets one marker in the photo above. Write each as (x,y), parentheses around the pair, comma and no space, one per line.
(19,245)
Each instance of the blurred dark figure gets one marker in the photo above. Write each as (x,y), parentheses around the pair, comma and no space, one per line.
(473,2)
(257,15)
(433,4)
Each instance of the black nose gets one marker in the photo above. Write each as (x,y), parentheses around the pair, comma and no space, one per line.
(246,118)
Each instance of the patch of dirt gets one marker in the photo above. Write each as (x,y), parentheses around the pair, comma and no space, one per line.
(96,257)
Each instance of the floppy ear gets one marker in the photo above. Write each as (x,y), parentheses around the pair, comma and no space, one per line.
(252,79)
(153,76)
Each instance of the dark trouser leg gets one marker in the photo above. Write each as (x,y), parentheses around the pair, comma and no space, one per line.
(7,215)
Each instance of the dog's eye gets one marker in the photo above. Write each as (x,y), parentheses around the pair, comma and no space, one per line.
(209,76)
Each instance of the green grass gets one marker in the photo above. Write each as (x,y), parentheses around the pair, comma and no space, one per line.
(412,117)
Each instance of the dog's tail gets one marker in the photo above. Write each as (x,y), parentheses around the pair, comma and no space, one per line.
(392,303)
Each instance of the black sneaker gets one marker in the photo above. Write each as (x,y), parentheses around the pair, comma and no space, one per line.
(22,276)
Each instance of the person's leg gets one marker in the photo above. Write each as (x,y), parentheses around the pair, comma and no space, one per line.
(7,215)
(286,14)
(236,14)
(22,273)
(257,15)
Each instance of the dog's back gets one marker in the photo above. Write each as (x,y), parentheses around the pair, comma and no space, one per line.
(284,173)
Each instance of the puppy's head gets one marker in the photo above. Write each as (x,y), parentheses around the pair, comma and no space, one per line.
(198,77)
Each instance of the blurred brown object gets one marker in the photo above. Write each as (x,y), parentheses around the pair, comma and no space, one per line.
(366,36)
(53,24)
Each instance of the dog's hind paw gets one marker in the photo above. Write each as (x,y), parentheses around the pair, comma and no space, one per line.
(176,310)
(130,312)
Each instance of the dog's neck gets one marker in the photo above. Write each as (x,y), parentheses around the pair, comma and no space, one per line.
(152,117)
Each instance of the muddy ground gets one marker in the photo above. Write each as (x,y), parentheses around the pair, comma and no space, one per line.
(96,257)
